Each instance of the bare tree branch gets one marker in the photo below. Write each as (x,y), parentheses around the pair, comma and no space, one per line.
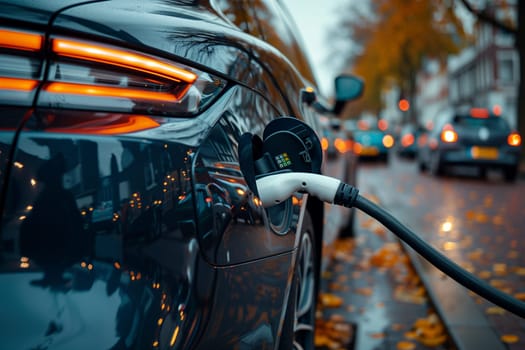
(484,16)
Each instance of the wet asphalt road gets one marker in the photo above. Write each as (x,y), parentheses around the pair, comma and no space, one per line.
(478,223)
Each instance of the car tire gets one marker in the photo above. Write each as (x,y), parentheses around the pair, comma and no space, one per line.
(510,174)
(483,173)
(299,324)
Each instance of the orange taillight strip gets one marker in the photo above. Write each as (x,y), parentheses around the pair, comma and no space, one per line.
(103,91)
(121,58)
(20,40)
(17,84)
(133,124)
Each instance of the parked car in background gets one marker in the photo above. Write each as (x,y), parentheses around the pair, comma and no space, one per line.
(372,140)
(474,138)
(406,144)
(125,221)
(332,140)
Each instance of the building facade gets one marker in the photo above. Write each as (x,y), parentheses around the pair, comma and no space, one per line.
(487,74)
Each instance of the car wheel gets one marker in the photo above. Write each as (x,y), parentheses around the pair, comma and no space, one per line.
(483,173)
(510,174)
(299,326)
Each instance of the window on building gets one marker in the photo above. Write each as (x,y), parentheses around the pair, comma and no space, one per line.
(507,68)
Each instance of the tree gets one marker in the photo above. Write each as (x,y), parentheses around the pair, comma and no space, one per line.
(393,38)
(518,31)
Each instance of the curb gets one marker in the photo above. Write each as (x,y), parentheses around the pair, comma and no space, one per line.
(466,324)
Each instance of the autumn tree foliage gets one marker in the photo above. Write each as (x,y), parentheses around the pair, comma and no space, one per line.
(391,41)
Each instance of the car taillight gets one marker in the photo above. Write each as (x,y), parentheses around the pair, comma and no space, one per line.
(93,76)
(407,140)
(324,143)
(358,148)
(20,65)
(122,58)
(514,139)
(448,134)
(340,145)
(388,141)
(20,40)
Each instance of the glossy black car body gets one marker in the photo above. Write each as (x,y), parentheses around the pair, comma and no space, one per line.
(125,221)
(472,138)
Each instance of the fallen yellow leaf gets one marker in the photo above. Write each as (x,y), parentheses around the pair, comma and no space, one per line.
(509,338)
(405,345)
(331,300)
(520,271)
(432,342)
(364,291)
(499,269)
(323,340)
(337,318)
(497,283)
(520,296)
(495,310)
(498,220)
(482,218)
(411,335)
(485,274)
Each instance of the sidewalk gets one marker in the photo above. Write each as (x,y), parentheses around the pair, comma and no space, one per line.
(373,299)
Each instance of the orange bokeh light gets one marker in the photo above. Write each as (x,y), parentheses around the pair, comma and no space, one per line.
(404,105)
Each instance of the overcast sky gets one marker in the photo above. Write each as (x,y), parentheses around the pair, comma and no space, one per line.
(315,19)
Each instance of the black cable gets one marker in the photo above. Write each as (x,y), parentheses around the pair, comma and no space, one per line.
(439,260)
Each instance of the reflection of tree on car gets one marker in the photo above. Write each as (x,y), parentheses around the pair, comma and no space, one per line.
(245,205)
(52,235)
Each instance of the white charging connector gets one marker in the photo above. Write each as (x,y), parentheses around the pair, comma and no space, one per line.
(273,189)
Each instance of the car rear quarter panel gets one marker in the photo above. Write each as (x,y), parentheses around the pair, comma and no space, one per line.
(134,275)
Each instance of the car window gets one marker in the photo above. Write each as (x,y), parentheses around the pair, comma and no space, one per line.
(490,123)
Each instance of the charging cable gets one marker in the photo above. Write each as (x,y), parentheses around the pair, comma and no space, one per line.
(277,187)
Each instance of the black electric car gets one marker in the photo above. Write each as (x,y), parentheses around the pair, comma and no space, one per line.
(125,220)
